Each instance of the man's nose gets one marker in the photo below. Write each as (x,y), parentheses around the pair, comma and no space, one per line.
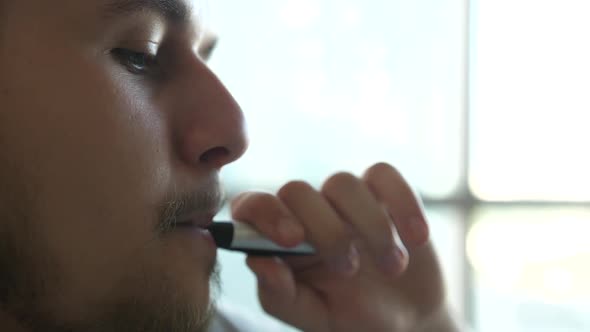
(209,124)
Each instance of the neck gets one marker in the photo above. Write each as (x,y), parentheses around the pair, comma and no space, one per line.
(8,323)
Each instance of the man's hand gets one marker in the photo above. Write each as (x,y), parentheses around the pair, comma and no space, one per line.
(361,279)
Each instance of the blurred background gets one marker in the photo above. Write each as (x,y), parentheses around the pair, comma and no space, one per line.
(484,106)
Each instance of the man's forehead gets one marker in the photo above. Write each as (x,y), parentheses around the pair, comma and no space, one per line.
(178,11)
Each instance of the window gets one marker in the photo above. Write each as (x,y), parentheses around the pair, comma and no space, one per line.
(530,77)
(481,105)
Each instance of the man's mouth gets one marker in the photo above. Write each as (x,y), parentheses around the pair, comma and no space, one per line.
(196,226)
(192,210)
(195,221)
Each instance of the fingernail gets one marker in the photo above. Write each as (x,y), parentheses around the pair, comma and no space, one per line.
(391,262)
(288,229)
(348,263)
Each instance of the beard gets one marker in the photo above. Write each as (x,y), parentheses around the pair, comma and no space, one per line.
(29,276)
(24,285)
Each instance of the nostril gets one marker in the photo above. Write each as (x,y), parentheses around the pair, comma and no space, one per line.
(217,156)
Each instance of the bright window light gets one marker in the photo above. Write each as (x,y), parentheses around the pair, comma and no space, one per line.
(531,269)
(531,100)
(338,85)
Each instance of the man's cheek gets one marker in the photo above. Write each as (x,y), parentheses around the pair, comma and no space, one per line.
(88,265)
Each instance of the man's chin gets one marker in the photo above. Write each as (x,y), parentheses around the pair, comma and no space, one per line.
(179,303)
(179,307)
(193,281)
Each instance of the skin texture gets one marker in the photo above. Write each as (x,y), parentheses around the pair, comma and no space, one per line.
(95,157)
(362,280)
(111,130)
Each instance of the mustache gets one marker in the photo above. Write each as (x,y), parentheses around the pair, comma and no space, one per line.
(206,200)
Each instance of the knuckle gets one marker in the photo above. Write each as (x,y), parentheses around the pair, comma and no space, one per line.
(338,182)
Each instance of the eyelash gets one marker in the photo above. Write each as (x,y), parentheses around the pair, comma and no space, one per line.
(138,63)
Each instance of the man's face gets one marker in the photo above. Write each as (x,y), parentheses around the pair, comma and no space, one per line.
(111,129)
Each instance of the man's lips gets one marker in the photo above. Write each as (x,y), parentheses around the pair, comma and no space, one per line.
(198,220)
(195,226)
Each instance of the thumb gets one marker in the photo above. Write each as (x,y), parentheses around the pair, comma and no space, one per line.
(286,299)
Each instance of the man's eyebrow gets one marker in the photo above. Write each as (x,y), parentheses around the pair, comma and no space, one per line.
(174,10)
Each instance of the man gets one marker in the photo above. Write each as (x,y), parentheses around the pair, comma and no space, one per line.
(112,134)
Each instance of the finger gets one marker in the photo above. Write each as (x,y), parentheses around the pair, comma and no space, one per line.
(324,228)
(391,189)
(281,296)
(355,203)
(422,280)
(269,216)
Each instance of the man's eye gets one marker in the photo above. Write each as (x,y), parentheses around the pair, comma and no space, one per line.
(136,62)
